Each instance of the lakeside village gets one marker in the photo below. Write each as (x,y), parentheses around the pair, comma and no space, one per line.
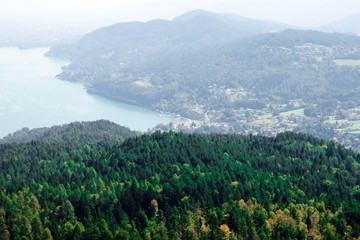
(342,126)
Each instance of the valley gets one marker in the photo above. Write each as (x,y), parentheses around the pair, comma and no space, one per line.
(225,79)
(205,126)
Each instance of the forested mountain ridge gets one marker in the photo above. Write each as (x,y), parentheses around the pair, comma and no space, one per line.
(203,67)
(281,67)
(181,186)
(130,41)
(100,131)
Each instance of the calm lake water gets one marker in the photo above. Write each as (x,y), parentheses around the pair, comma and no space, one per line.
(31,96)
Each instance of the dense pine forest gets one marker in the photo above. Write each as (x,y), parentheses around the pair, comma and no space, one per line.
(180,186)
(99,131)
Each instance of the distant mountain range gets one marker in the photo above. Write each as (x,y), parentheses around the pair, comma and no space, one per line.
(84,181)
(224,72)
(160,38)
(43,34)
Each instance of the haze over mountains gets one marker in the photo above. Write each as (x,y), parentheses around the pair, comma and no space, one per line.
(225,73)
(40,30)
(197,29)
(221,73)
(40,34)
(346,25)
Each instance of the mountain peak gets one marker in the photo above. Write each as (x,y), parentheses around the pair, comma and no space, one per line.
(194,13)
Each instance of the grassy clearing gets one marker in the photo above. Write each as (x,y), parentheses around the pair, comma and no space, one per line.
(299,111)
(356,124)
(143,83)
(354,128)
(267,116)
(339,121)
(347,62)
(264,122)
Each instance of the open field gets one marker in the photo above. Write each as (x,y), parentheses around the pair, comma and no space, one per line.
(352,126)
(339,121)
(347,62)
(299,111)
(143,83)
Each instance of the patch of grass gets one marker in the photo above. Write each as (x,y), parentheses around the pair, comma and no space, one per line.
(339,121)
(354,128)
(356,124)
(347,62)
(143,83)
(267,116)
(264,122)
(299,111)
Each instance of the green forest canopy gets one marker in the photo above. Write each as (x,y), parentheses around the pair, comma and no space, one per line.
(173,185)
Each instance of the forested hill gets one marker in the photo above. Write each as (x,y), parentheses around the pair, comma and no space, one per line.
(226,73)
(100,131)
(280,67)
(135,43)
(181,186)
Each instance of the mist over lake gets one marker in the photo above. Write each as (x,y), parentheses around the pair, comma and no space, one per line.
(31,96)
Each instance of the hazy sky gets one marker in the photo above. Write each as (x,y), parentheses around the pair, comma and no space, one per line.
(295,12)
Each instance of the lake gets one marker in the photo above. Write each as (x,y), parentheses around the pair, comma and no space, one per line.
(31,96)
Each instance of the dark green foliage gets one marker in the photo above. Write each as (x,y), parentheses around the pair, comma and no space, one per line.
(173,185)
(100,131)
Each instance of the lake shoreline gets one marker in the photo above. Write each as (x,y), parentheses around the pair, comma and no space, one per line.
(33,97)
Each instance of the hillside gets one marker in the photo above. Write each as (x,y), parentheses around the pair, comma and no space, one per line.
(180,186)
(131,43)
(346,25)
(279,68)
(209,69)
(101,131)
